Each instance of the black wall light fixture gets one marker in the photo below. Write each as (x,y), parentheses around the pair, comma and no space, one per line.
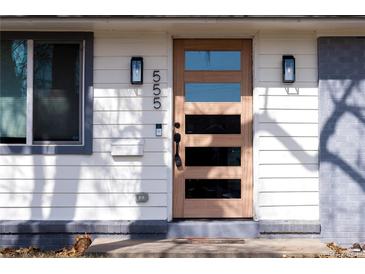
(288,69)
(136,70)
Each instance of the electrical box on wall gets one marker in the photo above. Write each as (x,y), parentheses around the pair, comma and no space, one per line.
(142,197)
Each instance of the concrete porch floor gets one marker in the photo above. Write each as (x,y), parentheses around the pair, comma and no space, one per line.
(208,248)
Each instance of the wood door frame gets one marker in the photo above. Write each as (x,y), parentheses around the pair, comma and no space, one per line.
(179,45)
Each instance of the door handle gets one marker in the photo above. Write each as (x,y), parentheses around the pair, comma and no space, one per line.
(177,139)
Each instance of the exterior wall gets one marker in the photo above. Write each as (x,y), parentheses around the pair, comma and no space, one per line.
(286,129)
(98,186)
(342,181)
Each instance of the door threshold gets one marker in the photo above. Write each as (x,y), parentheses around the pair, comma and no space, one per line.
(176,220)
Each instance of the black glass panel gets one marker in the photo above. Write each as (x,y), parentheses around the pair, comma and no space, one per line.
(212,124)
(212,188)
(212,156)
(56,103)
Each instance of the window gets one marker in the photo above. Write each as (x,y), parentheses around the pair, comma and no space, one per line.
(46,92)
(13,91)
(56,92)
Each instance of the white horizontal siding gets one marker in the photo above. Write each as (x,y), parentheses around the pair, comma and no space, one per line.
(82,172)
(288,115)
(287,90)
(275,74)
(125,90)
(274,60)
(154,144)
(129,117)
(289,212)
(286,128)
(99,186)
(83,213)
(121,76)
(82,186)
(288,157)
(289,143)
(127,104)
(288,102)
(288,171)
(148,45)
(117,62)
(288,184)
(126,131)
(97,159)
(287,45)
(78,200)
(299,198)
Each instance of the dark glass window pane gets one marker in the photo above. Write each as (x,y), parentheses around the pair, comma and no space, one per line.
(56,98)
(212,60)
(13,91)
(212,92)
(212,188)
(212,156)
(212,124)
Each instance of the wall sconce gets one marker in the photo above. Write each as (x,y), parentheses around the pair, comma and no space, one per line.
(288,69)
(136,70)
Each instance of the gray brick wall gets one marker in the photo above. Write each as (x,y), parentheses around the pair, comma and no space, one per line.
(52,235)
(341,71)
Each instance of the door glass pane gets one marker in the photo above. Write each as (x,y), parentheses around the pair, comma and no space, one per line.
(13,91)
(57,89)
(212,188)
(212,92)
(212,124)
(212,156)
(212,60)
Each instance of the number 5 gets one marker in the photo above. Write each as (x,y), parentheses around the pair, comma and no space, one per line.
(156,76)
(156,103)
(156,89)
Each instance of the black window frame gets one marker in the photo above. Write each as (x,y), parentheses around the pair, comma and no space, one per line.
(87,38)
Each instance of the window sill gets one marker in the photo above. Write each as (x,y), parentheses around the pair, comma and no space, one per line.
(45,149)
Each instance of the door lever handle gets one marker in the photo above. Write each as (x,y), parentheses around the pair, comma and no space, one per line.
(177,139)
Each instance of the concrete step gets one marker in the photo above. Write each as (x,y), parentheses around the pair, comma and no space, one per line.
(213,229)
(203,248)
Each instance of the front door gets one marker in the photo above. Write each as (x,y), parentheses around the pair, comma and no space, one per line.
(213,128)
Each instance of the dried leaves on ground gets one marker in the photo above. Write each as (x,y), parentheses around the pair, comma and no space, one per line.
(341,252)
(77,250)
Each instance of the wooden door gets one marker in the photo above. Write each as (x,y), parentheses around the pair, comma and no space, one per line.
(213,120)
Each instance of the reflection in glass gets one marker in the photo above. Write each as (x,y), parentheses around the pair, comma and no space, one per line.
(56,107)
(289,69)
(137,70)
(212,124)
(212,60)
(212,92)
(212,156)
(13,91)
(212,188)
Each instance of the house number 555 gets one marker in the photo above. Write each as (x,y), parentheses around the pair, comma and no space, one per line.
(156,89)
